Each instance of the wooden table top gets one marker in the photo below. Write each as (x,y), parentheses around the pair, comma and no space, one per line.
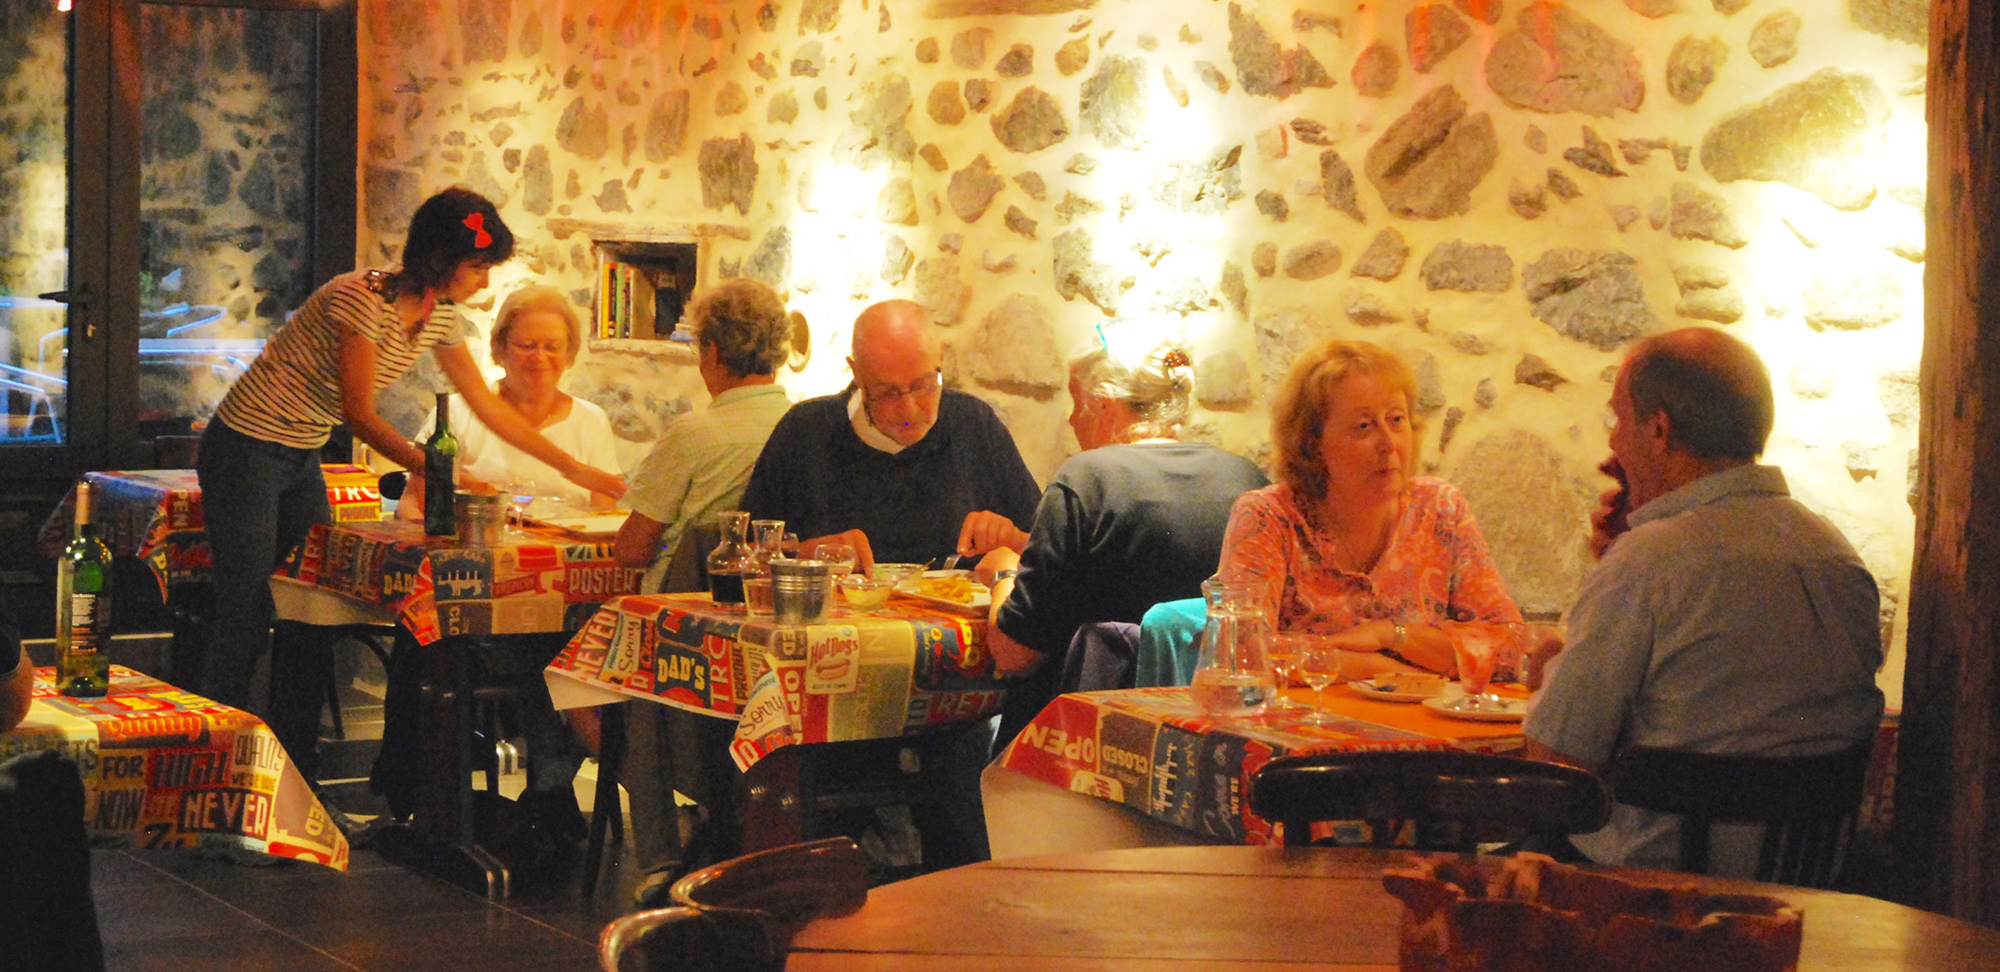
(1265,908)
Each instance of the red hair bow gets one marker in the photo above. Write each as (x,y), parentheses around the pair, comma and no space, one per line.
(480,238)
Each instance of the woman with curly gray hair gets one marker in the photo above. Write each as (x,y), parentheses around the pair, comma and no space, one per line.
(703,460)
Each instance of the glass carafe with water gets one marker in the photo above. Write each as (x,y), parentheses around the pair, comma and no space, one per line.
(1232,677)
(730,559)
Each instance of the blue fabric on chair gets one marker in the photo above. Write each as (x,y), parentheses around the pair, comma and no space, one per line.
(1169,643)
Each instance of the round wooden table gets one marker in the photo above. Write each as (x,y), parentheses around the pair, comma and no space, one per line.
(1264,908)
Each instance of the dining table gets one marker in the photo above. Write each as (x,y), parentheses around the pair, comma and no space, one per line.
(445,597)
(155,516)
(1265,909)
(826,715)
(163,767)
(1147,767)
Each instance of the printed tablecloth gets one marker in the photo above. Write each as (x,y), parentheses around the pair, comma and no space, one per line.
(163,767)
(901,669)
(1152,750)
(438,586)
(155,515)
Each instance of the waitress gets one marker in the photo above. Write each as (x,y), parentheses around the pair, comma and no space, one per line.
(259,464)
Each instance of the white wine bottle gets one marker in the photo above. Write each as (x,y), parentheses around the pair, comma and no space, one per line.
(440,455)
(83,608)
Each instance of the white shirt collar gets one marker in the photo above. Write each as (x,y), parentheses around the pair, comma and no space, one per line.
(857,416)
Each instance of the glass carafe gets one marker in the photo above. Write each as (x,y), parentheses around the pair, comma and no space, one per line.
(769,536)
(1232,677)
(731,559)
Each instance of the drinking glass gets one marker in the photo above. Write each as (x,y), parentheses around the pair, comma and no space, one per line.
(520,496)
(1474,650)
(840,557)
(1319,663)
(1283,652)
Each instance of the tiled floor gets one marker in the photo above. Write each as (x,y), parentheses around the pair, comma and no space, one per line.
(184,909)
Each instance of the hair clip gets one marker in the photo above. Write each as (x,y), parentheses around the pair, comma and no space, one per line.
(480,238)
(1175,358)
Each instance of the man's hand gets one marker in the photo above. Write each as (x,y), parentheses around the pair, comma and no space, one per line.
(864,555)
(1545,643)
(1608,522)
(985,531)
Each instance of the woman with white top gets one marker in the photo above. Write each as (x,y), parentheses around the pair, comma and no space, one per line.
(535,339)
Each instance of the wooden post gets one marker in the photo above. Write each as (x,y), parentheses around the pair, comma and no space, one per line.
(1948,771)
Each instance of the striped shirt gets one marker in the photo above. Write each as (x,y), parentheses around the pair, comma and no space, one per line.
(291,394)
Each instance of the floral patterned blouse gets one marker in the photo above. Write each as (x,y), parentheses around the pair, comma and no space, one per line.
(1436,571)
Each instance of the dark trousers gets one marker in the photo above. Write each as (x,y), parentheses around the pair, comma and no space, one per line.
(48,921)
(260,499)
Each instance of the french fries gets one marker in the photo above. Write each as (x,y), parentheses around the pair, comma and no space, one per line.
(959,589)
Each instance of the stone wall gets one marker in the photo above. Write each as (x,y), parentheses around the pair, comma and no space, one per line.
(1506,192)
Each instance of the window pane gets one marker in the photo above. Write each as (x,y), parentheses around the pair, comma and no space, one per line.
(34,199)
(227,100)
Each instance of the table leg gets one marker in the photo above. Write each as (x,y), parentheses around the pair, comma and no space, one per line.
(441,839)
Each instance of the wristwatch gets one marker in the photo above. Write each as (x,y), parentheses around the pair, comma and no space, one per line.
(1008,574)
(1402,634)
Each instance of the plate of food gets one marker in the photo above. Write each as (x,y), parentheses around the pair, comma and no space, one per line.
(1400,686)
(953,590)
(1476,709)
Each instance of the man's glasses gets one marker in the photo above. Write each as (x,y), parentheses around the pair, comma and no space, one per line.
(890,395)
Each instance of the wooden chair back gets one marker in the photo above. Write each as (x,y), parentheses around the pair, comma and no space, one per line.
(1454,800)
(1807,804)
(793,884)
(691,940)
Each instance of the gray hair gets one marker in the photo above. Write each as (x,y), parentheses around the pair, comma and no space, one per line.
(536,297)
(746,324)
(1157,389)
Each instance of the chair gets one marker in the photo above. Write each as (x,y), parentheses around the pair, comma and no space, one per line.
(793,884)
(687,571)
(1807,804)
(691,940)
(1456,800)
(48,919)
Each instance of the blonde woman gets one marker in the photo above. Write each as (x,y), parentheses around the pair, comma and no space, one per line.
(1349,544)
(535,339)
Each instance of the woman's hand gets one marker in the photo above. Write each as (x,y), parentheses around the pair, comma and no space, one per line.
(596,480)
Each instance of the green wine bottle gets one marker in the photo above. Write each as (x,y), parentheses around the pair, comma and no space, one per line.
(83,608)
(440,454)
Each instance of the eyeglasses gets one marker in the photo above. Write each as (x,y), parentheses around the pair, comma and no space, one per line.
(890,395)
(552,350)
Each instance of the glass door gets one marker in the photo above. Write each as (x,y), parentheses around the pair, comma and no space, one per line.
(175,177)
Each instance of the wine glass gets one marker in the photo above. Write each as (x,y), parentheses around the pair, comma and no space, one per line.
(1319,663)
(1283,653)
(520,496)
(1473,649)
(839,558)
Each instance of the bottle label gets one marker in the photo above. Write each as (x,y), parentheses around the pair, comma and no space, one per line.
(82,624)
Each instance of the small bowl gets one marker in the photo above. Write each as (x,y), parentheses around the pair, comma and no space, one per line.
(895,574)
(865,593)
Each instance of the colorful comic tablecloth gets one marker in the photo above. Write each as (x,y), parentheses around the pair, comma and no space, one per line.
(155,515)
(164,767)
(439,586)
(1154,751)
(900,669)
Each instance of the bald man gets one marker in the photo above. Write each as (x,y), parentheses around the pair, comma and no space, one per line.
(907,471)
(902,467)
(1729,619)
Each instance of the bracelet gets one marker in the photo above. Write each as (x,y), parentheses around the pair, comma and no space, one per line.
(1008,574)
(1402,634)
(1391,653)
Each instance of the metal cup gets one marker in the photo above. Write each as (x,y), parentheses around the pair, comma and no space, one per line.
(482,518)
(801,591)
